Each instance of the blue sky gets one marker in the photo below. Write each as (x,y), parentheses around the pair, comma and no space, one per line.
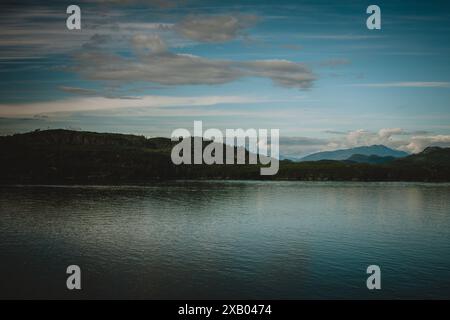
(309,68)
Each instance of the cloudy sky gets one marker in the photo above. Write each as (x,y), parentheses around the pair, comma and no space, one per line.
(309,68)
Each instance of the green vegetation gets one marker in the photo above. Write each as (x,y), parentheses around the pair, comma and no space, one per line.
(68,157)
(361,158)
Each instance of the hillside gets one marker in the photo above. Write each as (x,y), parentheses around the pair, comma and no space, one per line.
(343,154)
(360,158)
(64,156)
(68,157)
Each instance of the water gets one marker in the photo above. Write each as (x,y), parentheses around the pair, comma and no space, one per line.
(234,239)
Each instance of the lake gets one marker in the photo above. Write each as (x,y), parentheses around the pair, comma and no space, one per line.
(226,240)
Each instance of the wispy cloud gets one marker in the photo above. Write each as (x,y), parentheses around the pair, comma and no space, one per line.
(162,4)
(408,84)
(40,31)
(104,103)
(80,91)
(345,37)
(156,64)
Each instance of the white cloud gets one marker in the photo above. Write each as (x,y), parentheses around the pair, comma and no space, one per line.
(418,143)
(386,133)
(395,138)
(385,136)
(104,103)
(153,43)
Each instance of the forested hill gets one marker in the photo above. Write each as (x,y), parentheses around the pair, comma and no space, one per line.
(68,157)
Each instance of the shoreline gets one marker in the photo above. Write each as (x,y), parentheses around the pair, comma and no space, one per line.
(178,181)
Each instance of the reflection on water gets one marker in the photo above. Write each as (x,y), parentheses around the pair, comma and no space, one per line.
(226,240)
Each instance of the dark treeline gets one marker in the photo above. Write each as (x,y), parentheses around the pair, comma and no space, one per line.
(69,157)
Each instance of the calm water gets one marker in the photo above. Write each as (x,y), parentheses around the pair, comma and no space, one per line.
(226,240)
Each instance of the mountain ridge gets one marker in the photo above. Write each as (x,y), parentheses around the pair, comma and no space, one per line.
(76,157)
(343,154)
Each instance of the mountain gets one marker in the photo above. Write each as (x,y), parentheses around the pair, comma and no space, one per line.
(433,156)
(360,158)
(287,157)
(65,156)
(343,154)
(432,164)
(76,157)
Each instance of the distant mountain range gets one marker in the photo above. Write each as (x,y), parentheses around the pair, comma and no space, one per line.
(344,154)
(76,157)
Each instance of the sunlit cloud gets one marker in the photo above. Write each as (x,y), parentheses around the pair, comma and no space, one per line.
(104,103)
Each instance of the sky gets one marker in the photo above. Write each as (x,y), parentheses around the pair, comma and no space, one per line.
(311,69)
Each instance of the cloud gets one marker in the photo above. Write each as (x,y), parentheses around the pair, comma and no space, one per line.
(418,84)
(283,72)
(408,141)
(80,91)
(110,93)
(40,31)
(162,4)
(158,65)
(301,146)
(105,103)
(418,143)
(215,28)
(153,43)
(97,41)
(363,137)
(387,133)
(335,132)
(347,37)
(397,138)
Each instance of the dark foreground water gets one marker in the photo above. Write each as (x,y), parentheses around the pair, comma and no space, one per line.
(290,240)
